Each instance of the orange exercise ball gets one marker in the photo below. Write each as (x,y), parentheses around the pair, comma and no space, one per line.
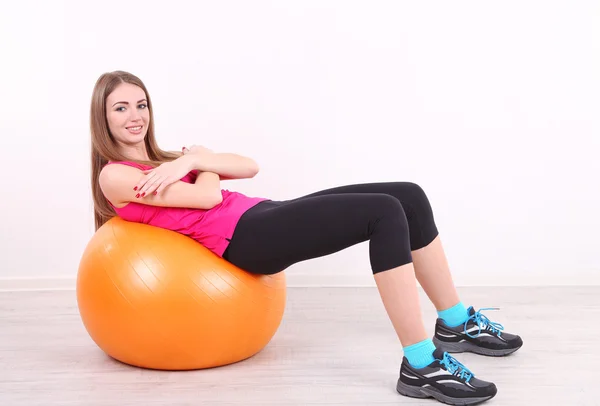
(154,298)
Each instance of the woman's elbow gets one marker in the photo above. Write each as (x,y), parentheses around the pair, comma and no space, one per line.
(211,201)
(253,169)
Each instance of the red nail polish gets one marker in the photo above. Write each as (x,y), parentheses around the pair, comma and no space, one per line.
(155,192)
(138,195)
(143,194)
(135,188)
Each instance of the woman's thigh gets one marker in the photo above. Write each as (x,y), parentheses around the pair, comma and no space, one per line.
(274,235)
(416,205)
(403,191)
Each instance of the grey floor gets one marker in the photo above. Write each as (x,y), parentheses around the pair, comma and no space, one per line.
(334,347)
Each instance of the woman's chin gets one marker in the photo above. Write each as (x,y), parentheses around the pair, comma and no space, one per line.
(133,141)
(135,138)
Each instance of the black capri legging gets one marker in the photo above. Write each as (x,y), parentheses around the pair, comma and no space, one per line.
(395,217)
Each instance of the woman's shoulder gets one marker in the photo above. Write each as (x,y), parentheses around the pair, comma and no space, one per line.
(129,163)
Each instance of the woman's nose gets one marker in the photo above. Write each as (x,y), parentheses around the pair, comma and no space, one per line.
(135,116)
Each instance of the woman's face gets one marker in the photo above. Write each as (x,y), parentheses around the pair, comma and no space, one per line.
(127,114)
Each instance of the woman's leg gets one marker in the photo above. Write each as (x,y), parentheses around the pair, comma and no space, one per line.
(433,274)
(400,297)
(458,328)
(274,235)
(431,267)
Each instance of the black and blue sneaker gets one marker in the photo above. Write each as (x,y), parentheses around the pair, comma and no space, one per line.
(446,380)
(477,334)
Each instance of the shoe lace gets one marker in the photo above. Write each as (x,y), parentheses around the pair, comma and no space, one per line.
(484,323)
(453,366)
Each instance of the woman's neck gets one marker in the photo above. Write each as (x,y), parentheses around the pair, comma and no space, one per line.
(135,152)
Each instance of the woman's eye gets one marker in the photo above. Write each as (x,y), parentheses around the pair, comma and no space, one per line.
(119,108)
(144,106)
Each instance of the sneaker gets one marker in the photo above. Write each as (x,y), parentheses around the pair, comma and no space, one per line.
(478,335)
(446,380)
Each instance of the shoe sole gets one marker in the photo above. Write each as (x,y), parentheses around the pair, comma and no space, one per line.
(431,392)
(466,346)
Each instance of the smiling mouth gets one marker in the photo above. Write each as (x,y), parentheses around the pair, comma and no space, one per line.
(135,130)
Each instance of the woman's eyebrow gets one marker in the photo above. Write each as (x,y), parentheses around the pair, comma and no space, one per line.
(124,102)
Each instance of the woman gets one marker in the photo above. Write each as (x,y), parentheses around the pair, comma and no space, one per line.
(133,178)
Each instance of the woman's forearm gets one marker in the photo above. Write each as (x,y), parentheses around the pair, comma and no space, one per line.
(228,165)
(210,183)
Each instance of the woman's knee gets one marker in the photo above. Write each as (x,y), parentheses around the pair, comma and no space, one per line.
(386,203)
(417,201)
(416,194)
(390,237)
(422,221)
(389,207)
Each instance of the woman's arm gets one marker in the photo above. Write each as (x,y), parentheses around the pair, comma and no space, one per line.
(119,183)
(227,165)
(209,181)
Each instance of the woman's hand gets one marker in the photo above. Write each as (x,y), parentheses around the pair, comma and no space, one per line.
(157,179)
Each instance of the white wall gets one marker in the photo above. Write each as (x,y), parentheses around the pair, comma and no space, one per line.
(491,107)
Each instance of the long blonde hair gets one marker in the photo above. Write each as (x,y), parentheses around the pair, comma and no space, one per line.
(104,147)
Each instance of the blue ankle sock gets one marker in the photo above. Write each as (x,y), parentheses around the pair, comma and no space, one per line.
(420,355)
(455,315)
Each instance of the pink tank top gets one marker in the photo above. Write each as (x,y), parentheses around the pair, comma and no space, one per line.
(212,228)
